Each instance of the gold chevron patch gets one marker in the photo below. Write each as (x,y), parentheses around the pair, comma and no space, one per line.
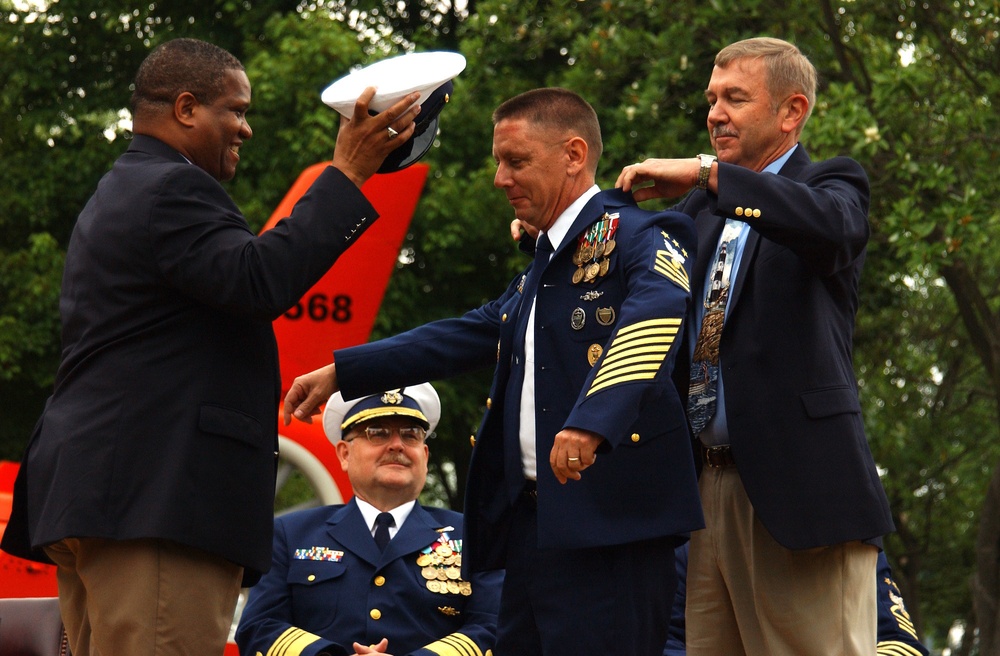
(669,262)
(672,269)
(636,353)
(903,619)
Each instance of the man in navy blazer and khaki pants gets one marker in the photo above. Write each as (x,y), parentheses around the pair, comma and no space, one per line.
(792,499)
(149,479)
(582,477)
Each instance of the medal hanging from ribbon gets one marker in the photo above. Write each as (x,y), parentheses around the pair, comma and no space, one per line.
(593,252)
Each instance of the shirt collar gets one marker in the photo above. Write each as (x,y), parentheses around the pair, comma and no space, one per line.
(557,231)
(775,166)
(370,512)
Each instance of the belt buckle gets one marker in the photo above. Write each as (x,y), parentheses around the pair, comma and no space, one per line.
(718,457)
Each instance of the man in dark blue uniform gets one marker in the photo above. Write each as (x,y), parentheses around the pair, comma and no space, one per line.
(381,573)
(583,343)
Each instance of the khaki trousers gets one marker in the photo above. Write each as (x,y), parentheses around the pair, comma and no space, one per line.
(144,597)
(748,595)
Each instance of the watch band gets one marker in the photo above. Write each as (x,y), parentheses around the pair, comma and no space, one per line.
(705,171)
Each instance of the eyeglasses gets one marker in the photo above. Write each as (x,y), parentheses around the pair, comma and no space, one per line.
(382,435)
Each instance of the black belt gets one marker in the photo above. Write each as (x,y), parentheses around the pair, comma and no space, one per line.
(717,457)
(530,490)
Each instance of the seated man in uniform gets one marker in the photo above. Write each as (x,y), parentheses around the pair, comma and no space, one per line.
(380,574)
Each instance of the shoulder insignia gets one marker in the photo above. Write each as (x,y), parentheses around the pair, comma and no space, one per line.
(636,353)
(669,262)
(898,610)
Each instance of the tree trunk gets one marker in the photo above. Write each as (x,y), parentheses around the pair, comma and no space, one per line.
(986,582)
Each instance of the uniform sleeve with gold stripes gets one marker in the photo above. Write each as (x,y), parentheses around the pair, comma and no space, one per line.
(657,251)
(896,634)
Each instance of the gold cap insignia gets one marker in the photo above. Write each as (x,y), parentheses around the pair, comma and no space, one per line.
(393,397)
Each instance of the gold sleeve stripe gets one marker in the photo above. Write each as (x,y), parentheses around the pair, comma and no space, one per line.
(896,648)
(649,336)
(628,366)
(649,323)
(667,266)
(617,381)
(646,341)
(654,348)
(456,644)
(292,642)
(630,359)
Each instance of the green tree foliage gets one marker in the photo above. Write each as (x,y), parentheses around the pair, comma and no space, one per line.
(908,88)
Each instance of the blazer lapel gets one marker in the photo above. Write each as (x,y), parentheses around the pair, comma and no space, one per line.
(347,526)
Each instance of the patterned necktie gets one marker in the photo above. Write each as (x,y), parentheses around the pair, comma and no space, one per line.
(382,524)
(703,388)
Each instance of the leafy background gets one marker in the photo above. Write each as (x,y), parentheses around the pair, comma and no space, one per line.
(908,88)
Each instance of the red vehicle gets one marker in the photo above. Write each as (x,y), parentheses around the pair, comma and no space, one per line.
(338,311)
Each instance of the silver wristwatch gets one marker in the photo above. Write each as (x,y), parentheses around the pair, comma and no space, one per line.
(705,171)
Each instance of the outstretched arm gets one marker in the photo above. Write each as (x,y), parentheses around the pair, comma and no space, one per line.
(308,392)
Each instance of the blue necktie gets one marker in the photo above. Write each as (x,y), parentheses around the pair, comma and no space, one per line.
(512,403)
(382,524)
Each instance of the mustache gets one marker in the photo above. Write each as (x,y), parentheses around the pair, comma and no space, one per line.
(395,459)
(723,131)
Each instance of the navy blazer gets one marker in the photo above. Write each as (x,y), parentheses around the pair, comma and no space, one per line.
(791,395)
(330,587)
(643,484)
(163,420)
